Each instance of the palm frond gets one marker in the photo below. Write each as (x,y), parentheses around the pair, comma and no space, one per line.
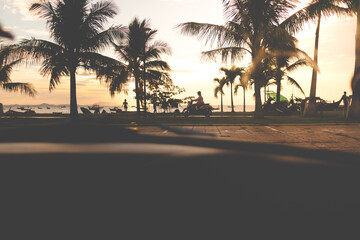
(99,13)
(234,53)
(159,65)
(104,38)
(210,33)
(293,82)
(5,71)
(297,64)
(26,88)
(35,50)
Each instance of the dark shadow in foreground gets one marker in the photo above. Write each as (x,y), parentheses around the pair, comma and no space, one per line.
(203,189)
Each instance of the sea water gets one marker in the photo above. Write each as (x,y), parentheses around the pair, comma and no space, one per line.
(65,109)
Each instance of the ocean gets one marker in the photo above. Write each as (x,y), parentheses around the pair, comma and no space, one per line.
(65,109)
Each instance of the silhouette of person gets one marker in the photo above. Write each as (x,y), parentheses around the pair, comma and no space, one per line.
(154,106)
(125,104)
(345,99)
(199,101)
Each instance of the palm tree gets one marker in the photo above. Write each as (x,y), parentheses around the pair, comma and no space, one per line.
(221,82)
(6,67)
(249,24)
(77,30)
(282,63)
(314,11)
(354,110)
(244,85)
(141,58)
(230,75)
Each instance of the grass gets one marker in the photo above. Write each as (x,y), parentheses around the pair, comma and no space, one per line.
(228,118)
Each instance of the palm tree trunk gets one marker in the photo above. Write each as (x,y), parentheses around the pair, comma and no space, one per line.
(137,79)
(232,100)
(244,100)
(278,82)
(354,109)
(222,106)
(258,108)
(144,81)
(73,101)
(310,108)
(278,89)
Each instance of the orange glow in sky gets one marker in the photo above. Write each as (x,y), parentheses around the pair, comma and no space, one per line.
(336,53)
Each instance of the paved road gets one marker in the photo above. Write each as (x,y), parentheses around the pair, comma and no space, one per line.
(333,137)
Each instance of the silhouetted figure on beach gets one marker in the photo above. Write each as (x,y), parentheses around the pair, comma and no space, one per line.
(125,105)
(345,100)
(154,106)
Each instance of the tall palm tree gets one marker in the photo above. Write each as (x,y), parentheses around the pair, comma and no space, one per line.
(282,63)
(221,82)
(244,85)
(6,67)
(248,24)
(354,110)
(230,75)
(78,34)
(314,11)
(141,58)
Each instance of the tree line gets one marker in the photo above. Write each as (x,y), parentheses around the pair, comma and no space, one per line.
(261,29)
(264,30)
(78,36)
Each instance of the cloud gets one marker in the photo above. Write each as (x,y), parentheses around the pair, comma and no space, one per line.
(36,32)
(171,1)
(20,7)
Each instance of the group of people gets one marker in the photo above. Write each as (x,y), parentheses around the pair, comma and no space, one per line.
(198,102)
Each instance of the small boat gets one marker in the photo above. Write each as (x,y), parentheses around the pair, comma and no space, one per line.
(85,111)
(16,113)
(116,110)
(94,107)
(39,107)
(47,107)
(63,106)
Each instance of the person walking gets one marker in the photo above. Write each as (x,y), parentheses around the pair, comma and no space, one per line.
(125,105)
(345,100)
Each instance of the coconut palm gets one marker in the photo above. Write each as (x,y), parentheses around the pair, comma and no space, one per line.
(248,24)
(6,67)
(314,11)
(354,110)
(244,85)
(78,34)
(221,82)
(230,75)
(282,63)
(141,58)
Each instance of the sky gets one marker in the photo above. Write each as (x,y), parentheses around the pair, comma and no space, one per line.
(336,53)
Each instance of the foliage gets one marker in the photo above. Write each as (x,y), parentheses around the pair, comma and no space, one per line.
(249,27)
(77,29)
(6,67)
(162,92)
(140,57)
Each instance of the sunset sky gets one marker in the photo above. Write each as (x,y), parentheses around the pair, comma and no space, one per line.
(336,53)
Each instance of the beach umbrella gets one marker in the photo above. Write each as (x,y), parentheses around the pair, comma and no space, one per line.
(273,95)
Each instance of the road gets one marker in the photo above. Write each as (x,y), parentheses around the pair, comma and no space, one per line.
(332,137)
